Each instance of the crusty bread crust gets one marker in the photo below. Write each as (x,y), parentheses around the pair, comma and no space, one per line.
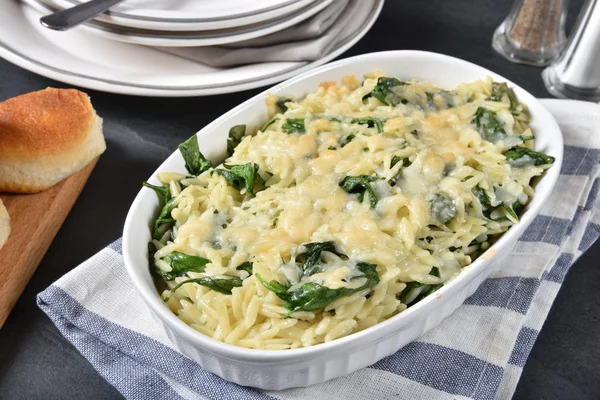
(46,136)
(4,224)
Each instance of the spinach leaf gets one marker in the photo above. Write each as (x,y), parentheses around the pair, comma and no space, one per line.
(181,264)
(415,292)
(281,290)
(222,285)
(427,291)
(404,160)
(435,271)
(448,97)
(406,295)
(430,103)
(517,207)
(269,123)
(311,258)
(513,210)
(522,156)
(405,163)
(281,103)
(167,203)
(526,138)
(236,134)
(448,168)
(294,125)
(490,128)
(195,162)
(482,195)
(151,251)
(312,296)
(163,192)
(370,122)
(242,176)
(384,91)
(501,89)
(360,184)
(164,221)
(443,208)
(245,266)
(346,139)
(370,272)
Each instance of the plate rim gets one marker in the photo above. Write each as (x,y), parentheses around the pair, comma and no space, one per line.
(106,85)
(175,24)
(197,20)
(192,39)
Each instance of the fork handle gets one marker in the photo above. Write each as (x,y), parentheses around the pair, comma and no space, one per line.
(71,17)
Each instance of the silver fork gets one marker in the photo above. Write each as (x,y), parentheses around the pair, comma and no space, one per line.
(71,17)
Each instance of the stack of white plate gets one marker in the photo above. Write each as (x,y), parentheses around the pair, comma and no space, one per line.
(136,47)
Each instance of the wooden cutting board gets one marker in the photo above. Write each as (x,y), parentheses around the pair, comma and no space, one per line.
(34,221)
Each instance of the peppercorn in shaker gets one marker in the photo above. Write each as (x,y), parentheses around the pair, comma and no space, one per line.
(533,33)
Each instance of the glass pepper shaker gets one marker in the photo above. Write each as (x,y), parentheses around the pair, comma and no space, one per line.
(533,33)
(576,74)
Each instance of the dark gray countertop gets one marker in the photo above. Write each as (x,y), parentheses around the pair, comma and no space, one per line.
(36,362)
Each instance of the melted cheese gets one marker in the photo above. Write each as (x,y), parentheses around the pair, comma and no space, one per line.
(441,153)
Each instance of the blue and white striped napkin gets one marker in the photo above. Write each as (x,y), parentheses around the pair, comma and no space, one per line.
(478,352)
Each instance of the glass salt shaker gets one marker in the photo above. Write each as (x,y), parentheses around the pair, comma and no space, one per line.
(533,33)
(576,74)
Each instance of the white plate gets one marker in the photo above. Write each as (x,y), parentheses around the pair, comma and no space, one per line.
(82,59)
(204,10)
(165,22)
(190,39)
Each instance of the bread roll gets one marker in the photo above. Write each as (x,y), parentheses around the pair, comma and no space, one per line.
(46,136)
(4,224)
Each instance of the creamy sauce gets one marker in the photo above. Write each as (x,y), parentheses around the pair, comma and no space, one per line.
(424,163)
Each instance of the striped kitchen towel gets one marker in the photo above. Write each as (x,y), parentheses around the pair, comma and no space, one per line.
(478,352)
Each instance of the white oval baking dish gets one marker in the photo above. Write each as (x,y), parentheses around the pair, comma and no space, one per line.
(280,369)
